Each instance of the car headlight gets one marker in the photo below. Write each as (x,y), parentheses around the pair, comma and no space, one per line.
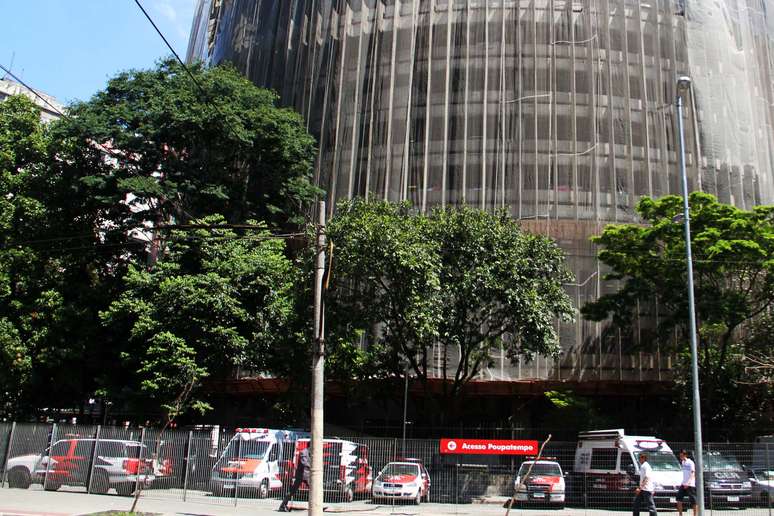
(746,485)
(713,485)
(377,483)
(412,484)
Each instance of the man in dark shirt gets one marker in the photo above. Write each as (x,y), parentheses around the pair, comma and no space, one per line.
(302,475)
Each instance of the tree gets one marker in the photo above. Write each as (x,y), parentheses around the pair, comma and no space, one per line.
(464,279)
(84,198)
(734,287)
(177,151)
(215,301)
(31,301)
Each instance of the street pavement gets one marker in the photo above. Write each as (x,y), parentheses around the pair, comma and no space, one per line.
(21,502)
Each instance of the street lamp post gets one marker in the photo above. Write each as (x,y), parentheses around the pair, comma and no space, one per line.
(683,85)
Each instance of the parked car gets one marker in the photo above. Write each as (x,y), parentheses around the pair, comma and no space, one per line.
(762,480)
(726,482)
(545,484)
(402,481)
(116,464)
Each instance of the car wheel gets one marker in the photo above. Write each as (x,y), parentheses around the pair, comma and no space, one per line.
(125,488)
(19,478)
(418,499)
(100,484)
(347,495)
(263,489)
(427,496)
(765,499)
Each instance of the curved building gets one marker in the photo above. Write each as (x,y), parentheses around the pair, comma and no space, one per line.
(560,111)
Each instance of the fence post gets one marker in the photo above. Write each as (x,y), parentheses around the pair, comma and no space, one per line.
(7,454)
(769,466)
(93,460)
(187,464)
(236,475)
(140,467)
(51,441)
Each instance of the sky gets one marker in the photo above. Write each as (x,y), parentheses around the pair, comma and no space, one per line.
(70,48)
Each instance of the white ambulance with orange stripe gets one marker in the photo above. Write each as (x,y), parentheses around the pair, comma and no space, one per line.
(253,462)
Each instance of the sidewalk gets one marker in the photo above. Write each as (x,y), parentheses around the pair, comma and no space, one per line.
(24,502)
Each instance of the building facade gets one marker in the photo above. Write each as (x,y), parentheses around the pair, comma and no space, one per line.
(559,111)
(50,108)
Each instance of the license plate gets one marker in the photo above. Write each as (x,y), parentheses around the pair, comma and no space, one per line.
(733,498)
(673,500)
(538,495)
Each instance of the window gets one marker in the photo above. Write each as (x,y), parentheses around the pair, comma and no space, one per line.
(273,454)
(604,458)
(627,463)
(84,448)
(61,448)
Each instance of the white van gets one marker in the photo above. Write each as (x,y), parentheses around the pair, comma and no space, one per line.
(253,461)
(607,469)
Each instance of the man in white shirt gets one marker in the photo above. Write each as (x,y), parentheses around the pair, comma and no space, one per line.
(644,492)
(688,485)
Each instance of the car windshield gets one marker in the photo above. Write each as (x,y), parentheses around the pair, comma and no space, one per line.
(765,474)
(718,462)
(551,470)
(394,470)
(239,449)
(663,461)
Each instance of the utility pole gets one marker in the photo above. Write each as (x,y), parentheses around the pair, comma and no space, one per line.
(318,373)
(684,84)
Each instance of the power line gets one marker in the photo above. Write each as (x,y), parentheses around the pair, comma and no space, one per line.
(205,96)
(34,92)
(161,35)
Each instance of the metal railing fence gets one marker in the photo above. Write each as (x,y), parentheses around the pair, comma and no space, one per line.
(219,467)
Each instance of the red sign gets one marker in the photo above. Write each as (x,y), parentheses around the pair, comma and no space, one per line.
(488,447)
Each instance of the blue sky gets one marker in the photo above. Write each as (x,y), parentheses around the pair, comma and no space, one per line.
(69,48)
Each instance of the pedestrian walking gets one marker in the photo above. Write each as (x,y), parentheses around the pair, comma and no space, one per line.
(644,492)
(302,475)
(687,489)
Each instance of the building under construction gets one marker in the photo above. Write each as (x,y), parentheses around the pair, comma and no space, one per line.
(559,111)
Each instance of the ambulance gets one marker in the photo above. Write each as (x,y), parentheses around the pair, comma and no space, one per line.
(607,468)
(253,461)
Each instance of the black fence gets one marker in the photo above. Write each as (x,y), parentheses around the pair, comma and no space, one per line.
(230,467)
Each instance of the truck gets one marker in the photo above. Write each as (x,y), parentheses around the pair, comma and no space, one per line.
(253,462)
(606,469)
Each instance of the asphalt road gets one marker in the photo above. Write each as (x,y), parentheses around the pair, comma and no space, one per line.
(34,502)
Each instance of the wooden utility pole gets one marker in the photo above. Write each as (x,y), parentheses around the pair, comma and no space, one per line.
(318,373)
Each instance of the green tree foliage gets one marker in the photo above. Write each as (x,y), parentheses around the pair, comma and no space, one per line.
(733,251)
(216,301)
(180,152)
(462,278)
(28,297)
(78,199)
